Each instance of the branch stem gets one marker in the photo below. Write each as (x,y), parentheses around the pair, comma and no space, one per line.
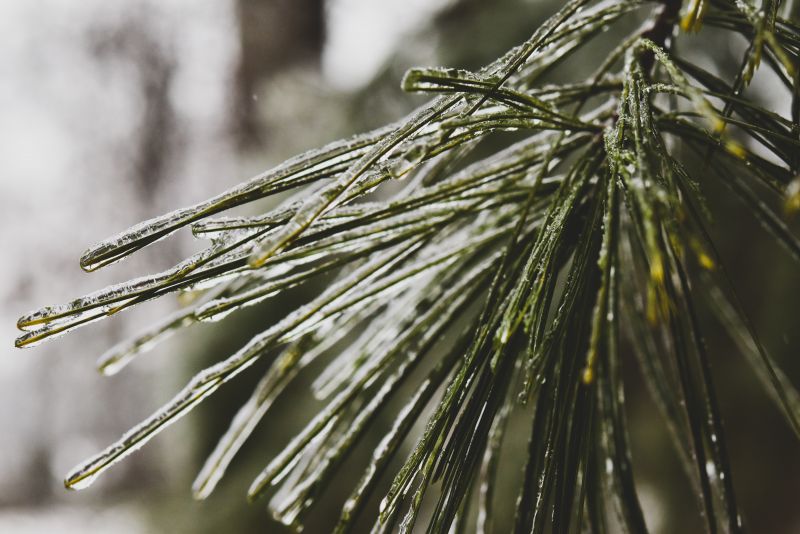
(661,30)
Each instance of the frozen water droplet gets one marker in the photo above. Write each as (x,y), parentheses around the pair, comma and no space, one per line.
(384,505)
(74,482)
(711,470)
(504,336)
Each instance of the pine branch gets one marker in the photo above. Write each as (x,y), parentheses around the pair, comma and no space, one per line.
(548,261)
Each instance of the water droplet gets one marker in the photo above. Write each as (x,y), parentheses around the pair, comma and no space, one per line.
(711,470)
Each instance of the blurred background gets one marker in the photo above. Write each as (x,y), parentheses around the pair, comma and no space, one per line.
(115,112)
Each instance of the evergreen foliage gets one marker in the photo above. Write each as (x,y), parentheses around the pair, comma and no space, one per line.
(494,282)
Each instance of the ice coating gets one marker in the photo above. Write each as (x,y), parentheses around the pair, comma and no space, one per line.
(314,206)
(111,300)
(204,383)
(383,452)
(86,473)
(245,422)
(303,493)
(368,343)
(53,331)
(117,357)
(114,294)
(55,321)
(426,325)
(285,367)
(118,246)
